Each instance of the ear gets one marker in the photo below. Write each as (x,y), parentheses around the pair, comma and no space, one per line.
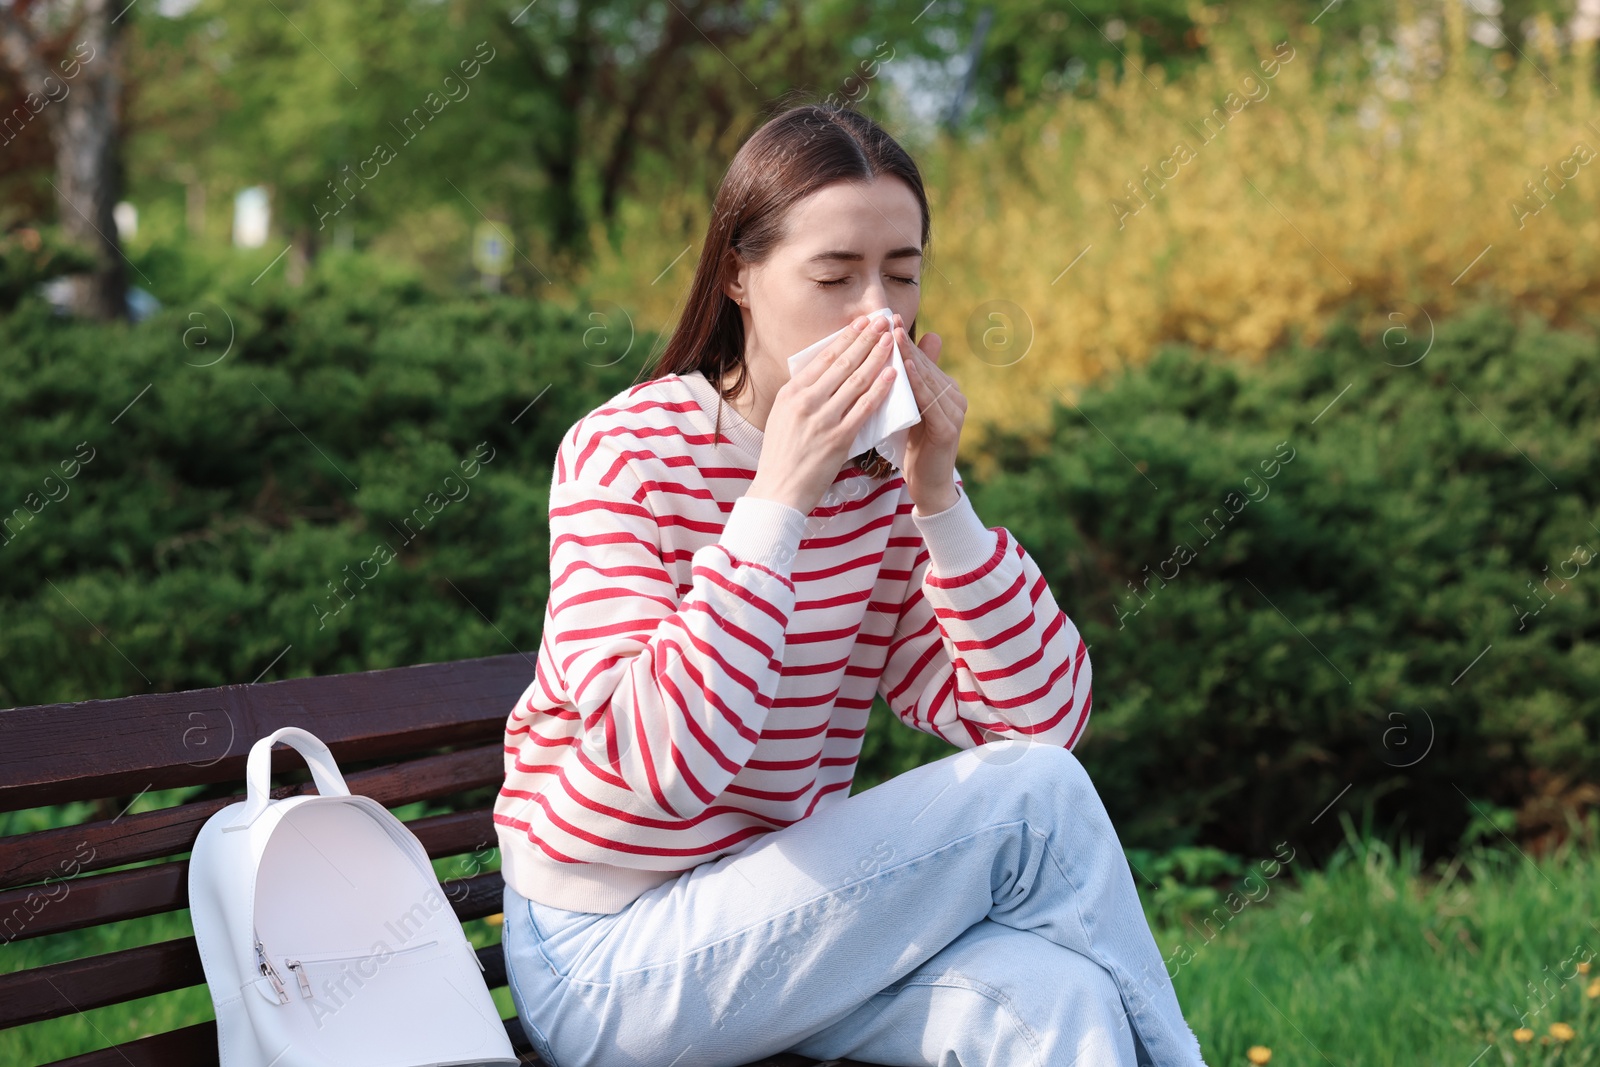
(736,278)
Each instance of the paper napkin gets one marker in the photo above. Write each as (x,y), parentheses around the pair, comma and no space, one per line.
(887,428)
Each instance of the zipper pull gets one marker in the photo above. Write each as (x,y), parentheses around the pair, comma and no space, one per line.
(270,972)
(299,970)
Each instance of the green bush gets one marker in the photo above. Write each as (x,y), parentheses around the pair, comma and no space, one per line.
(1363,530)
(186,498)
(1354,624)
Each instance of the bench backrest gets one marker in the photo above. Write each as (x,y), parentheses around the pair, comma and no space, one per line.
(412,733)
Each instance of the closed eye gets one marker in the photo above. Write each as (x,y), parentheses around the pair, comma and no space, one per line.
(840,281)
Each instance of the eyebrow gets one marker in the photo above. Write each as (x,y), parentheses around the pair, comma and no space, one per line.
(839,253)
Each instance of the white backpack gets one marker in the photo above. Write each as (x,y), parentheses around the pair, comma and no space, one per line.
(325,936)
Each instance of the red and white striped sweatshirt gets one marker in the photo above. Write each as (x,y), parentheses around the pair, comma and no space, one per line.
(709,659)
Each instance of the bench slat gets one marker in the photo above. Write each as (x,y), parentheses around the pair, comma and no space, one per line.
(54,853)
(34,912)
(78,985)
(59,989)
(29,911)
(51,754)
(196,1046)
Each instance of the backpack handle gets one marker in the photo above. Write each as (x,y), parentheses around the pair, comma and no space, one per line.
(258,770)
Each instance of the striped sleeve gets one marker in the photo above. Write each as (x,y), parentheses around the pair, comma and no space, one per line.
(672,694)
(980,643)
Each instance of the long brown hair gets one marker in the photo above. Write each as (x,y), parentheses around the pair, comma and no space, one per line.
(791,156)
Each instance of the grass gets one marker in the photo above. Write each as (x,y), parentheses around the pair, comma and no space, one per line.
(1370,960)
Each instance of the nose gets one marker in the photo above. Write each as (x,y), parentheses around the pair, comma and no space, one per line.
(876,296)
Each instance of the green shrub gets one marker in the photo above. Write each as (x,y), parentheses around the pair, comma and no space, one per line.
(1350,616)
(234,462)
(1355,623)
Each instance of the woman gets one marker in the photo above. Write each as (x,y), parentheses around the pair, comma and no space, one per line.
(688,880)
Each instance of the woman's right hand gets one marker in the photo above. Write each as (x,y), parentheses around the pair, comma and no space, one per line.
(816,414)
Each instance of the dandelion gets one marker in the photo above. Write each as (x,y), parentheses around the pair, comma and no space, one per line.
(1258,1054)
(1594,989)
(1561,1032)
(495,920)
(1583,967)
(1522,1034)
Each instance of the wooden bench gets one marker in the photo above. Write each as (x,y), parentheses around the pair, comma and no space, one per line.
(433,732)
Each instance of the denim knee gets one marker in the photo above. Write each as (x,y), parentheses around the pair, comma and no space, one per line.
(1029,767)
(1013,997)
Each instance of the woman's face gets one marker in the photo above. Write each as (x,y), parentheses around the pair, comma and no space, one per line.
(852,247)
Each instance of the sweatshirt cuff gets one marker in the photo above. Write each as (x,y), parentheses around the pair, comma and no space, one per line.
(765,532)
(956,537)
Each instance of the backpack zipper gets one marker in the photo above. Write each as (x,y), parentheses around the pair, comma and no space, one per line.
(298,964)
(360,956)
(269,971)
(300,972)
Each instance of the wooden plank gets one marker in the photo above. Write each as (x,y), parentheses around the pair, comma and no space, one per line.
(35,911)
(55,753)
(59,989)
(51,855)
(477,896)
(196,1046)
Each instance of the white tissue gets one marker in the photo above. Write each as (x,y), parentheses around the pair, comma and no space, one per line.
(887,428)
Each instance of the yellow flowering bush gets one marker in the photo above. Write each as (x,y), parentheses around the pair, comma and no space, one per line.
(1233,208)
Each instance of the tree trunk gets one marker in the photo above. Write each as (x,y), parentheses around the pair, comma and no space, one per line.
(89,167)
(85,128)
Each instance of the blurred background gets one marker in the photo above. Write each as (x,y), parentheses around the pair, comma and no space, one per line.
(1278,324)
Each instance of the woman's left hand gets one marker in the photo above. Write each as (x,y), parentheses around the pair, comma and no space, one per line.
(932,444)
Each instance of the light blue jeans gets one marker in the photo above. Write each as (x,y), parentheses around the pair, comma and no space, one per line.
(976,911)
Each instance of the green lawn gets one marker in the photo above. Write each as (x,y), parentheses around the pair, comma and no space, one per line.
(1371,961)
(1368,961)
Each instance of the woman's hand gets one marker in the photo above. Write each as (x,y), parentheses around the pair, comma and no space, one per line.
(817,413)
(931,446)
